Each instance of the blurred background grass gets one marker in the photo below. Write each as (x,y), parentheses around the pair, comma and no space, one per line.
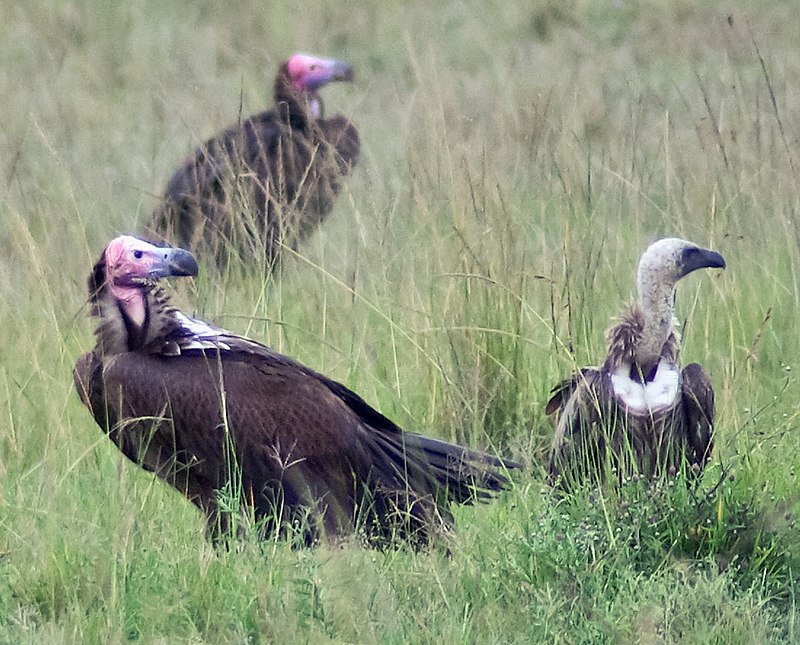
(516,161)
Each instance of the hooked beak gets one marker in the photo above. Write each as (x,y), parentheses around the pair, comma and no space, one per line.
(174,262)
(341,71)
(697,258)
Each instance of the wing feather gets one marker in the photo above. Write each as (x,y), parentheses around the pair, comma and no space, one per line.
(258,184)
(581,407)
(698,401)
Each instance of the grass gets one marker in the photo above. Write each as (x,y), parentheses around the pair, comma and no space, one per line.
(517,160)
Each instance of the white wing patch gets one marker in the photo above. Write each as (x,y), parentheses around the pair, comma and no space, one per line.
(647,398)
(202,335)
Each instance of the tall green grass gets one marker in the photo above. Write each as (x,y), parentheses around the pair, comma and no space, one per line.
(516,161)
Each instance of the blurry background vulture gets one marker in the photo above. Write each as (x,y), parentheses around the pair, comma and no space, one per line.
(267,180)
(208,410)
(639,412)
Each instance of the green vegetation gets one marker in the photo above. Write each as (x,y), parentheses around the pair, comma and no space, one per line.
(518,157)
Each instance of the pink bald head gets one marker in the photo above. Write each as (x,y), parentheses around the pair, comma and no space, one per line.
(128,267)
(309,73)
(129,261)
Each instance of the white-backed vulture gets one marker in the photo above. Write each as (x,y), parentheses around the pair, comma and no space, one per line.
(207,411)
(639,412)
(268,180)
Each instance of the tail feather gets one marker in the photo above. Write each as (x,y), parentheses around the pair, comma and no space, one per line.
(431,465)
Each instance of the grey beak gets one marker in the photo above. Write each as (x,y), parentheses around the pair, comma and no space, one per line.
(697,258)
(342,71)
(176,263)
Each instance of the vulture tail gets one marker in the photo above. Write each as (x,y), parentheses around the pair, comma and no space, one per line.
(414,480)
(466,475)
(440,468)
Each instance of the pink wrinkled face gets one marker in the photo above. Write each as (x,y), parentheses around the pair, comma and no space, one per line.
(299,65)
(309,73)
(130,266)
(129,260)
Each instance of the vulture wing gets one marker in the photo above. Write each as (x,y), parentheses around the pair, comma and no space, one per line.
(584,417)
(340,133)
(561,393)
(698,401)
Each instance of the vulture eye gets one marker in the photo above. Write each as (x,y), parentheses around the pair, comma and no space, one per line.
(138,254)
(312,67)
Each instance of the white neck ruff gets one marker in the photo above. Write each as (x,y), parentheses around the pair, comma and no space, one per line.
(649,397)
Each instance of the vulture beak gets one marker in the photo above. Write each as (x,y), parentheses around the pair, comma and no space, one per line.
(693,258)
(173,262)
(340,71)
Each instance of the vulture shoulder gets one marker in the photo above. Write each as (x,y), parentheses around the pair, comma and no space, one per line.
(145,439)
(563,391)
(88,377)
(266,395)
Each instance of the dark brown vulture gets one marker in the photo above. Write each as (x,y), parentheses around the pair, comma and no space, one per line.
(210,411)
(639,413)
(268,180)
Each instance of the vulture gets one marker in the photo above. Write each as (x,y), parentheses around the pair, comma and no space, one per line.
(212,413)
(268,180)
(639,413)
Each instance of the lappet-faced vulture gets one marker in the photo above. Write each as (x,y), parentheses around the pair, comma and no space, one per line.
(639,413)
(268,180)
(209,411)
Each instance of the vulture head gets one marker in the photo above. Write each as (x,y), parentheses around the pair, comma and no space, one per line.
(129,267)
(661,266)
(668,260)
(306,74)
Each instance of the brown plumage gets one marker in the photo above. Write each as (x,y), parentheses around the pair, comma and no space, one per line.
(639,412)
(268,180)
(210,411)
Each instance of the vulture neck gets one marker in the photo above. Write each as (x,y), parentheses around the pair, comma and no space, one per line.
(657,306)
(295,107)
(132,318)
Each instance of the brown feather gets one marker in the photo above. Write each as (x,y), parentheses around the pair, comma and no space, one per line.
(698,401)
(623,338)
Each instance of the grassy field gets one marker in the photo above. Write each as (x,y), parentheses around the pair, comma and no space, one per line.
(516,161)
